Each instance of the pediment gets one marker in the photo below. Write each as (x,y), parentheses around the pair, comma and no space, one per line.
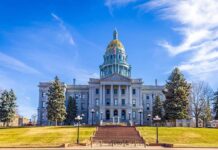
(116,77)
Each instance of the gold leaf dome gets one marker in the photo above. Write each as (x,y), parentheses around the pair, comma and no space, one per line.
(115,44)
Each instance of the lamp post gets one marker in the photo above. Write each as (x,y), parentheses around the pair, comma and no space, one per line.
(149,116)
(78,119)
(140,112)
(157,118)
(93,111)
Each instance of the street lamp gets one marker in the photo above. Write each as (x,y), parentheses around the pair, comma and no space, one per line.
(78,119)
(140,112)
(149,116)
(101,116)
(93,111)
(157,118)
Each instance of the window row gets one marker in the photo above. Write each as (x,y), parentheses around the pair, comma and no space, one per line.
(123,91)
(115,102)
(112,57)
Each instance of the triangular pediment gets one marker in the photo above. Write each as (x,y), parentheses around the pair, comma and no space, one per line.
(116,77)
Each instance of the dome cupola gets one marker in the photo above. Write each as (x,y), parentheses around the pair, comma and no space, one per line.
(115,59)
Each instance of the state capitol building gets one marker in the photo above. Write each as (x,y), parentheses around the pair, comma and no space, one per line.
(115,97)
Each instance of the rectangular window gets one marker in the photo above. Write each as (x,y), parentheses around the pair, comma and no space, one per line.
(43,104)
(43,94)
(97,102)
(107,91)
(96,91)
(147,97)
(115,102)
(133,115)
(123,102)
(134,103)
(108,101)
(83,96)
(133,91)
(148,106)
(115,91)
(123,91)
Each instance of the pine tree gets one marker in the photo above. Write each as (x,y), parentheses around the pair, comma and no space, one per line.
(157,107)
(71,111)
(177,91)
(12,105)
(56,109)
(7,107)
(3,107)
(215,107)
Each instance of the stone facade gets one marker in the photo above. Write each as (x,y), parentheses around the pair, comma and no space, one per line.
(113,98)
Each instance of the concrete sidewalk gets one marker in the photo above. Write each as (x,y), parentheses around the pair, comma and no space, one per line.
(111,148)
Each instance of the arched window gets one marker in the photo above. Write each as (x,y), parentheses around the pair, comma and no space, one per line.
(115,112)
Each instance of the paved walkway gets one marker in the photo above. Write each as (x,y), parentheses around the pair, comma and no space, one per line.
(111,148)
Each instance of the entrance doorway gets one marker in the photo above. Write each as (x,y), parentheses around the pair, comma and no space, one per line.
(123,115)
(107,114)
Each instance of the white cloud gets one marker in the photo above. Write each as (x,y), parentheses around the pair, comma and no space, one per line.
(110,3)
(117,3)
(198,25)
(66,35)
(12,63)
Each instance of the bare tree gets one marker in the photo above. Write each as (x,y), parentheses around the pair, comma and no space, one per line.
(33,119)
(200,97)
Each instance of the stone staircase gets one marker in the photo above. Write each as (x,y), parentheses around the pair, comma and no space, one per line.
(117,135)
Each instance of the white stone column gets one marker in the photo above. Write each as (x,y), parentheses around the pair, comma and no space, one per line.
(127,93)
(101,99)
(112,95)
(119,94)
(130,95)
(103,95)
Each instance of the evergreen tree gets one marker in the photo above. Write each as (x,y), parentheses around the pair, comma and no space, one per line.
(215,107)
(12,105)
(56,109)
(177,91)
(157,107)
(7,107)
(71,111)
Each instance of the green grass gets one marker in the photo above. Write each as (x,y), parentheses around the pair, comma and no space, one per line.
(43,136)
(182,137)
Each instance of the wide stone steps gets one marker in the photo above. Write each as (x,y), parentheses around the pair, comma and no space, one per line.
(117,134)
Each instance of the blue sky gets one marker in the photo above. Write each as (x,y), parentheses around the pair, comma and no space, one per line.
(43,38)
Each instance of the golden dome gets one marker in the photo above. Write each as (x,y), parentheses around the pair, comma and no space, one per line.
(115,44)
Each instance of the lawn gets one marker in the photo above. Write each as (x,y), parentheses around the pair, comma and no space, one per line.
(42,136)
(182,137)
